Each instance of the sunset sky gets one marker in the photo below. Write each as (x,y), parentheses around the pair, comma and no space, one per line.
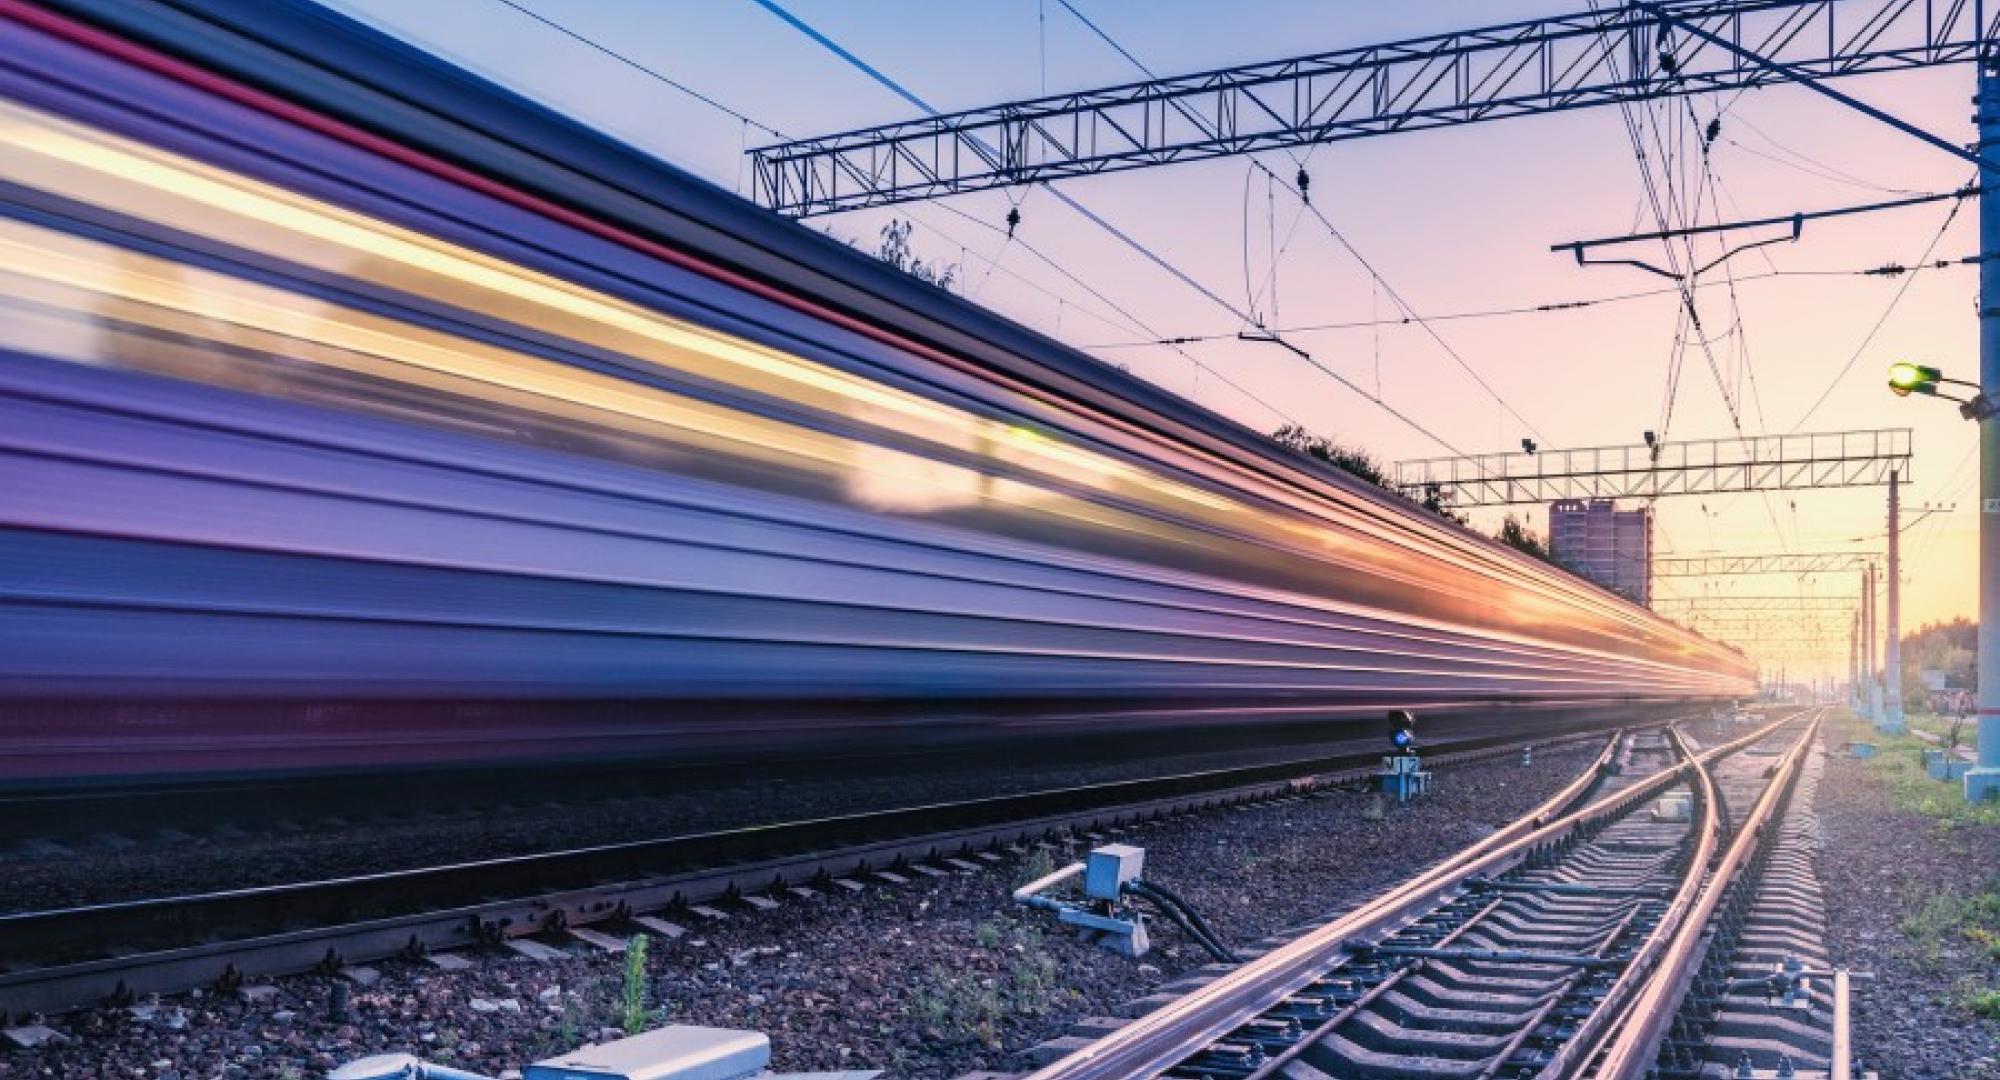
(1458,220)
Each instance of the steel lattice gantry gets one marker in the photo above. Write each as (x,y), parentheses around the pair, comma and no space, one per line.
(1773,624)
(1697,467)
(1627,52)
(1805,563)
(1716,605)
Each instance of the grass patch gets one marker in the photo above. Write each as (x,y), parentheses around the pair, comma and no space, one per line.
(972,1003)
(1954,932)
(1941,919)
(1898,765)
(1983,1003)
(1038,865)
(632,1014)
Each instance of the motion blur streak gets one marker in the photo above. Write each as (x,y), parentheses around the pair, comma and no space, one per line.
(316,460)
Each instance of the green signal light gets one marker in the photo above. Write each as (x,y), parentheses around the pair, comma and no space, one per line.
(1907,378)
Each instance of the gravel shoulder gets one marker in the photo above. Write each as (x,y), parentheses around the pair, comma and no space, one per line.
(930,979)
(1914,897)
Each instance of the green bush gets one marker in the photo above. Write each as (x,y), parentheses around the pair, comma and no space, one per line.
(1985,1003)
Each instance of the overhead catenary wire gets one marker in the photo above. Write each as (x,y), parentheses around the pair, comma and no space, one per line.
(1548,308)
(1688,209)
(749,121)
(1881,320)
(1805,163)
(606,50)
(1737,333)
(992,261)
(907,95)
(1128,316)
(1093,217)
(1308,206)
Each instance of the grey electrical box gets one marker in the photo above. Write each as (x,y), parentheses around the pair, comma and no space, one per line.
(1108,868)
(679,1052)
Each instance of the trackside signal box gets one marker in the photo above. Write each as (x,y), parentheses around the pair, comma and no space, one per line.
(1403,774)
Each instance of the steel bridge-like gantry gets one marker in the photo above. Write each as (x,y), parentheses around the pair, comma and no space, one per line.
(1773,624)
(1712,605)
(1620,53)
(1682,467)
(1823,562)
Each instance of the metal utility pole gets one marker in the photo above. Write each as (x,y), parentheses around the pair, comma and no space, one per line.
(1984,779)
(1892,657)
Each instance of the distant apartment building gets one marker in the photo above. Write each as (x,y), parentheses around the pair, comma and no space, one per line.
(1610,546)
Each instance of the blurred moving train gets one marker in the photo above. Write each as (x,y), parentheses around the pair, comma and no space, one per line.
(356,412)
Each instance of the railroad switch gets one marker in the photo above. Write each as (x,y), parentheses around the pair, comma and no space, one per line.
(1102,914)
(1105,913)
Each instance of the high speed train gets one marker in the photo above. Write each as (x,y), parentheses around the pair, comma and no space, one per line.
(356,412)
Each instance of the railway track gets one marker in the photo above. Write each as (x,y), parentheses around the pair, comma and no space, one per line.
(1764,996)
(1565,945)
(62,959)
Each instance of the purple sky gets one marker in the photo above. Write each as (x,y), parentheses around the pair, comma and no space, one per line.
(1455,220)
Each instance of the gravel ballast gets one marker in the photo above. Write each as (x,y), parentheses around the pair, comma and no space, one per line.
(162,858)
(929,979)
(1883,869)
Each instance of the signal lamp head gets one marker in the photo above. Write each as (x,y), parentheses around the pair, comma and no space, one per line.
(1402,729)
(1906,378)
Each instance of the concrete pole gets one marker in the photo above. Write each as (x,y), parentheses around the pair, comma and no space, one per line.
(1871,647)
(1984,779)
(1854,662)
(1892,656)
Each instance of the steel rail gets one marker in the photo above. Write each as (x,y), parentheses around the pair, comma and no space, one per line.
(445,907)
(1171,1034)
(1555,804)
(1634,1051)
(1621,990)
(1626,993)
(1277,1063)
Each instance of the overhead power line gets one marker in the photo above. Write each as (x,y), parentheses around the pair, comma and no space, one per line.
(907,95)
(1306,204)
(1886,270)
(1883,319)
(1152,256)
(725,109)
(637,66)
